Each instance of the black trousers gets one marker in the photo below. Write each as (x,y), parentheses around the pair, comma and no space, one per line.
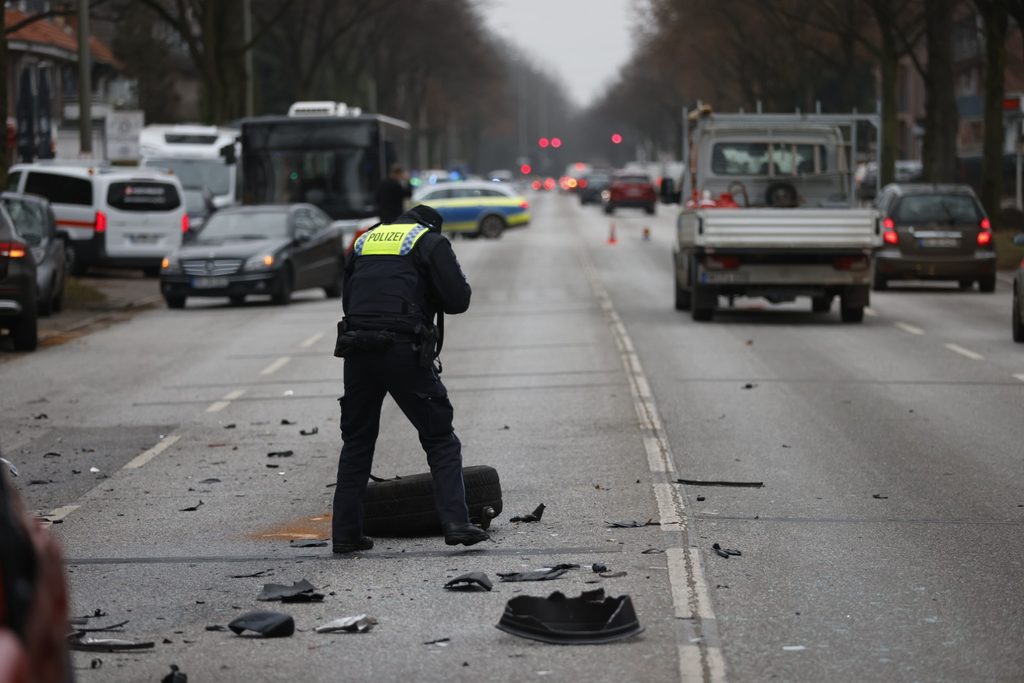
(423,398)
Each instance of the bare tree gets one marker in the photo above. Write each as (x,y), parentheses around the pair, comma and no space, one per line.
(995,16)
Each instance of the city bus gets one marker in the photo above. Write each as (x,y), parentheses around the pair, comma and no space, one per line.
(324,153)
(200,156)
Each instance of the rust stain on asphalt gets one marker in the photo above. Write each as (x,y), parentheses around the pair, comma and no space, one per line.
(303,528)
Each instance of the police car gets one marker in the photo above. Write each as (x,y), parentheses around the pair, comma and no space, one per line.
(476,208)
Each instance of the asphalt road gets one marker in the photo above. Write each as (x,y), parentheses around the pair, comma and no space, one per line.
(884,545)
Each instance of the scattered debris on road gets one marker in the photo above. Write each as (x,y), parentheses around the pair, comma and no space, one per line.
(192,508)
(82,643)
(701,499)
(280,454)
(264,624)
(534,516)
(793,648)
(300,591)
(216,628)
(879,496)
(357,624)
(308,543)
(287,423)
(52,454)
(652,551)
(749,385)
(98,629)
(632,524)
(94,470)
(211,480)
(611,575)
(230,426)
(309,432)
(725,552)
(473,581)
(592,618)
(176,676)
(10,467)
(546,574)
(598,568)
(440,642)
(742,484)
(254,575)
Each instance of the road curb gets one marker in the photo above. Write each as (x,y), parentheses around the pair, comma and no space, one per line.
(106,316)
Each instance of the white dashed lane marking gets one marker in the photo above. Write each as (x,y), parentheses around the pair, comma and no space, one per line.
(312,340)
(220,405)
(275,366)
(1019,376)
(909,328)
(966,353)
(144,457)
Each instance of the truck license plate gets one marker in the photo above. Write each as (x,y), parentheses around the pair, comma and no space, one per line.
(210,282)
(940,243)
(723,278)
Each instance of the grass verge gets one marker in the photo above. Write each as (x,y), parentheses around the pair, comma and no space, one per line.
(77,294)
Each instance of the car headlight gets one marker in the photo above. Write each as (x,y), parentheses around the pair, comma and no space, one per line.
(170,264)
(260,262)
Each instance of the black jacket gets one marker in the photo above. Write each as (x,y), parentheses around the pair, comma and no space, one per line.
(446,289)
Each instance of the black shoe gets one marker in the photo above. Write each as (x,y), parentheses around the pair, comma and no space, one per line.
(463,534)
(351,545)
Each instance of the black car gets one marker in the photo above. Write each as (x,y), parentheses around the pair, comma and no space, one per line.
(272,249)
(17,286)
(934,232)
(591,186)
(35,222)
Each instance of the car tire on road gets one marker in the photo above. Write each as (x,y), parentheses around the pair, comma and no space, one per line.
(405,506)
(821,304)
(175,301)
(491,227)
(25,331)
(237,299)
(650,209)
(282,294)
(46,303)
(683,299)
(987,284)
(852,315)
(879,283)
(1017,322)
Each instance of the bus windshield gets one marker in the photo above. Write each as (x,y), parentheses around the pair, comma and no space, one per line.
(334,164)
(197,174)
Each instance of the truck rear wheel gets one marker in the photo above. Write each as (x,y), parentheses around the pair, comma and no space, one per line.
(852,315)
(682,297)
(821,304)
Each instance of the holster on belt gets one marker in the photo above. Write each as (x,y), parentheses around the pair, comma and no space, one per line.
(425,345)
(352,342)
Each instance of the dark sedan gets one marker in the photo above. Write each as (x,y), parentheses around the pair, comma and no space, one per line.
(591,186)
(34,220)
(17,286)
(272,250)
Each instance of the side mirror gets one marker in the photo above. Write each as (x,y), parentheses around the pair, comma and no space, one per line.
(1019,239)
(302,236)
(227,152)
(32,239)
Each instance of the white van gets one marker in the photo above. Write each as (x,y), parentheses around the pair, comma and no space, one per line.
(120,217)
(198,155)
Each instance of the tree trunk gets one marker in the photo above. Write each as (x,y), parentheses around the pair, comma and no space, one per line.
(995,61)
(890,125)
(941,116)
(5,158)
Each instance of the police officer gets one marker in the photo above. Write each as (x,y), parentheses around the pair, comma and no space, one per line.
(400,276)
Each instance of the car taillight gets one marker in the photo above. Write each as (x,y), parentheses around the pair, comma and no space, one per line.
(549,184)
(535,184)
(524,204)
(851,263)
(184,224)
(985,234)
(100,224)
(721,262)
(13,249)
(889,234)
(583,183)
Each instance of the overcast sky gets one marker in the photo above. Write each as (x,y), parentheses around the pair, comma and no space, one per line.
(582,41)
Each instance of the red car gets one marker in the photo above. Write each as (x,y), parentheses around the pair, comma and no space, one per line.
(630,190)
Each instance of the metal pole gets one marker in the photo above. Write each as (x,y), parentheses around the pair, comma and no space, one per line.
(84,81)
(685,191)
(250,76)
(1020,172)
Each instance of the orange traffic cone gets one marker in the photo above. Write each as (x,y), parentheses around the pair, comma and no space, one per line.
(647,234)
(611,233)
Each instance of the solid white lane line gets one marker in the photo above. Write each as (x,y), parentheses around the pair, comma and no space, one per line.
(870,312)
(60,513)
(1020,377)
(967,353)
(276,365)
(144,457)
(312,340)
(655,457)
(220,405)
(909,328)
(668,507)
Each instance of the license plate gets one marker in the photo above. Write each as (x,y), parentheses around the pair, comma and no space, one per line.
(144,239)
(631,192)
(210,282)
(940,243)
(724,278)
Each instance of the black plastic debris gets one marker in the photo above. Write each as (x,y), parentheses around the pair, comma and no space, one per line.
(264,624)
(300,591)
(52,454)
(99,629)
(590,619)
(473,581)
(357,624)
(308,543)
(612,575)
(725,552)
(96,663)
(439,641)
(879,496)
(41,416)
(192,508)
(272,465)
(176,676)
(534,516)
(538,575)
(701,499)
(230,426)
(262,572)
(83,643)
(216,628)
(280,454)
(309,432)
(211,480)
(652,551)
(286,422)
(749,385)
(631,524)
(698,482)
(598,568)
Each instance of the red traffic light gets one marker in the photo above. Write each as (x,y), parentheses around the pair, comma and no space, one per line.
(543,143)
(526,169)
(616,138)
(556,142)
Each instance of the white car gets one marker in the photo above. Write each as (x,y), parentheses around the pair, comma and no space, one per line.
(111,216)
